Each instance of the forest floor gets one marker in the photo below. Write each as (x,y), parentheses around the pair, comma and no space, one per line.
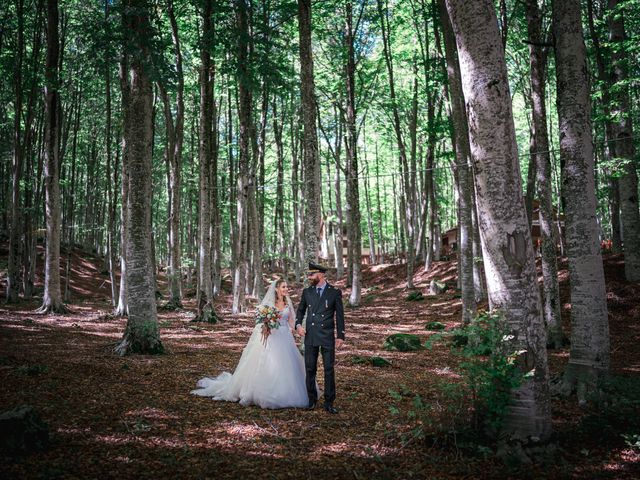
(133,417)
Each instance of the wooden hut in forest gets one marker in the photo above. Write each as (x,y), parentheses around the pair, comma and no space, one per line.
(449,239)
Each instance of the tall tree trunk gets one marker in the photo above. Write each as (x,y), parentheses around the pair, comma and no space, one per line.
(123,72)
(408,197)
(609,146)
(506,238)
(311,186)
(279,241)
(353,195)
(541,160)
(338,186)
(216,189)
(623,147)
(589,356)
(142,334)
(205,288)
(111,182)
(175,132)
(463,169)
(52,300)
(13,270)
(297,241)
(244,161)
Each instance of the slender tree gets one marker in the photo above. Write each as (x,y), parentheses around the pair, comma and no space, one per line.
(589,356)
(351,143)
(541,160)
(463,169)
(311,184)
(205,287)
(623,146)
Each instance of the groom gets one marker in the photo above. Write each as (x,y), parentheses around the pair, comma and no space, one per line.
(322,303)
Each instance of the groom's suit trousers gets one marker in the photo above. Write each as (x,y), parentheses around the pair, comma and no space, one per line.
(311,364)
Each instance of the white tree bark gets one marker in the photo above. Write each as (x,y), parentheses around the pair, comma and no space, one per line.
(506,238)
(589,357)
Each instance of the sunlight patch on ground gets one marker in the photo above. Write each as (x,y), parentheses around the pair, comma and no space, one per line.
(149,412)
(362,451)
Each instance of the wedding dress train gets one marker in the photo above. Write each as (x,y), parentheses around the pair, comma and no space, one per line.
(270,375)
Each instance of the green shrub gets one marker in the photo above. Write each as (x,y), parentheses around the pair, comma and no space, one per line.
(402,342)
(434,326)
(476,405)
(414,296)
(373,361)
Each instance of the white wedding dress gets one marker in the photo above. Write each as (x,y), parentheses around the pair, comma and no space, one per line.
(270,376)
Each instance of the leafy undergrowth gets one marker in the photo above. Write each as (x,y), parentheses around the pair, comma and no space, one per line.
(133,417)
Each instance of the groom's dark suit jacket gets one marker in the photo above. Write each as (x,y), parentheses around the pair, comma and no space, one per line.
(321,312)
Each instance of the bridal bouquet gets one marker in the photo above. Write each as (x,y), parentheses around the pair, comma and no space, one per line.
(269,317)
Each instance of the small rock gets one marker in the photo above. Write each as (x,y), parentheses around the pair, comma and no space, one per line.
(23,431)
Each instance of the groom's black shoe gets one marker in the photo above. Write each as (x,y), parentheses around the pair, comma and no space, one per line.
(311,405)
(330,408)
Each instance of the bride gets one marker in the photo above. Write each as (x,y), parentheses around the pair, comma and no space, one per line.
(270,374)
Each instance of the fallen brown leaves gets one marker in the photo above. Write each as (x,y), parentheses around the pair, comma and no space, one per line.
(133,417)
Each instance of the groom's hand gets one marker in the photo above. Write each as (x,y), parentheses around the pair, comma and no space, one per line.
(300,330)
(339,342)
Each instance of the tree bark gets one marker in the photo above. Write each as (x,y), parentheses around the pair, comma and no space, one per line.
(13,270)
(506,238)
(353,195)
(311,186)
(623,147)
(244,160)
(52,300)
(462,168)
(408,197)
(142,334)
(541,161)
(589,356)
(175,134)
(122,308)
(205,286)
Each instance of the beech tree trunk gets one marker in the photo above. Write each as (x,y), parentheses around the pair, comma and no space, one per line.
(205,285)
(311,186)
(353,195)
(244,160)
(462,168)
(52,300)
(542,162)
(506,238)
(13,270)
(175,139)
(589,356)
(142,334)
(409,209)
(623,147)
